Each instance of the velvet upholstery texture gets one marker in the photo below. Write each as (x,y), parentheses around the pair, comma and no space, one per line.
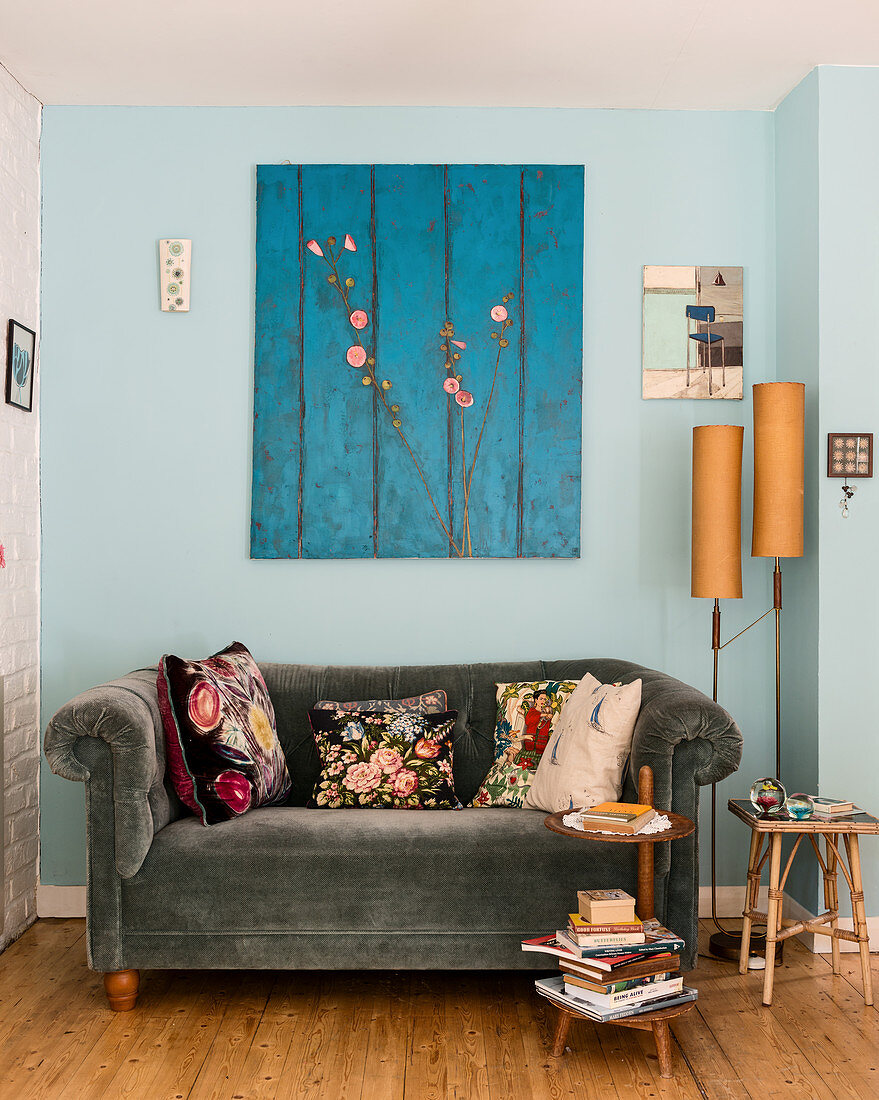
(287,887)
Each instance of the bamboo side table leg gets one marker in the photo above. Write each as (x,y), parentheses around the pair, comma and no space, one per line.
(858,913)
(831,899)
(773,921)
(751,892)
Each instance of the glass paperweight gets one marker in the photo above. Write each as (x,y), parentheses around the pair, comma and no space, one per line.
(800,806)
(768,796)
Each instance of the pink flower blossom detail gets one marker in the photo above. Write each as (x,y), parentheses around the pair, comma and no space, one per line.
(459,344)
(404,782)
(204,705)
(451,385)
(314,247)
(389,760)
(363,777)
(356,356)
(359,318)
(349,243)
(2,556)
(499,313)
(464,398)
(426,749)
(233,788)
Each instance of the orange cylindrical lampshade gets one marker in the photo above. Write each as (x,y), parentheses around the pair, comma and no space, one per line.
(716,565)
(779,448)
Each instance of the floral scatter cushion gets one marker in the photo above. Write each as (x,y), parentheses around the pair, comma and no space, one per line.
(526,716)
(431,702)
(586,757)
(384,760)
(223,750)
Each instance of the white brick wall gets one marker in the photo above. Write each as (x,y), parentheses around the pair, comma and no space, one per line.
(19,509)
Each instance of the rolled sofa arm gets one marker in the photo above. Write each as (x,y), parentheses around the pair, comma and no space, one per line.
(674,712)
(125,715)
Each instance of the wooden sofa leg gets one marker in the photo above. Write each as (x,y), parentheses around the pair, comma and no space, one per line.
(121,987)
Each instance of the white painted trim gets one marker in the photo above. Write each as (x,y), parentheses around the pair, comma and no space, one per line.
(60,901)
(730,900)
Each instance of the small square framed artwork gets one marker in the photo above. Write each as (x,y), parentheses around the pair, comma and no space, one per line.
(21,349)
(850,454)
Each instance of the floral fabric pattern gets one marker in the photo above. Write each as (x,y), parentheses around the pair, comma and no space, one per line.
(384,760)
(526,716)
(223,750)
(431,702)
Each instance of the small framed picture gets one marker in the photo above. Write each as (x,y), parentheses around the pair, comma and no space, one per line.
(850,454)
(21,348)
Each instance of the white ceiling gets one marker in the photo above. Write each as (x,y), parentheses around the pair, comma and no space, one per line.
(723,54)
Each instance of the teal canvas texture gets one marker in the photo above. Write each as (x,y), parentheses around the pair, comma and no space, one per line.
(418,361)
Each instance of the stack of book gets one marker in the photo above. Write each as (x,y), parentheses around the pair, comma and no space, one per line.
(612,964)
(617,817)
(829,809)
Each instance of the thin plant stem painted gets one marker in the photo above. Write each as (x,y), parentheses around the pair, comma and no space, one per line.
(360,359)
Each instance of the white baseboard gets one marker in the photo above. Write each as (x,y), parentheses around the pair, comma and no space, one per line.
(60,901)
(730,901)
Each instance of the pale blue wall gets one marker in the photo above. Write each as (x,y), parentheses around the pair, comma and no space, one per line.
(849,579)
(146,417)
(796,225)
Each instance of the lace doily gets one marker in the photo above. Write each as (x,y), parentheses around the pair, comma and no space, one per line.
(658,824)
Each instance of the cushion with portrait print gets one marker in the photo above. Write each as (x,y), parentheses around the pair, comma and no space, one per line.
(526,716)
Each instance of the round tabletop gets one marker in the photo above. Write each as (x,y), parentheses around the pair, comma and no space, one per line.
(680,826)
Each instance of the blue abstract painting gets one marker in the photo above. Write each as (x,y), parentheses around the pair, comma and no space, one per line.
(418,361)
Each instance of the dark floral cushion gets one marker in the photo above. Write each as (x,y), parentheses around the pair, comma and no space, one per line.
(223,750)
(431,702)
(384,761)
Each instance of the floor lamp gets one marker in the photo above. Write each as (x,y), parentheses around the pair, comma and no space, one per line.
(779,449)
(779,454)
(716,556)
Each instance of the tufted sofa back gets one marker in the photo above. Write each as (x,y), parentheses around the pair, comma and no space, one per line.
(471,692)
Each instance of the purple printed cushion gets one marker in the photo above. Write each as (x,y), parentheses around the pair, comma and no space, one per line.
(430,702)
(384,760)
(223,750)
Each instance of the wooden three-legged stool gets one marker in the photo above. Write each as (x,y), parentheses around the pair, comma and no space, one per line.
(657,1021)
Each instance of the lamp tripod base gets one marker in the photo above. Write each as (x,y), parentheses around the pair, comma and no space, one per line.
(728,945)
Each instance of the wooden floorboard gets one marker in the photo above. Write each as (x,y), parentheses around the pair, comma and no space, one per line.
(424,1035)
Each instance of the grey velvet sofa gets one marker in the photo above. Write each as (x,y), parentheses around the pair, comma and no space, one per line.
(294,888)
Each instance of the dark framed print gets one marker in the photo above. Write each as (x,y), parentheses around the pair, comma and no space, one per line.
(850,454)
(21,348)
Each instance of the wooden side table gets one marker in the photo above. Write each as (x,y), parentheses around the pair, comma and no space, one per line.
(657,1021)
(777,926)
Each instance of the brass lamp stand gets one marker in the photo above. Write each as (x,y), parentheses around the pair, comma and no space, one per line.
(779,431)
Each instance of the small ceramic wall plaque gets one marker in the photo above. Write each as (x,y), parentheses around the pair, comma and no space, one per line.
(174,267)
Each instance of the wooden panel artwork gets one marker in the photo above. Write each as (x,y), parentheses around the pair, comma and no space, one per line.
(418,361)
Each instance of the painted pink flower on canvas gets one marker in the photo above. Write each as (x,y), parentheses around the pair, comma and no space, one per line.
(349,243)
(363,777)
(314,247)
(451,385)
(389,760)
(464,398)
(404,782)
(359,318)
(356,356)
(499,313)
